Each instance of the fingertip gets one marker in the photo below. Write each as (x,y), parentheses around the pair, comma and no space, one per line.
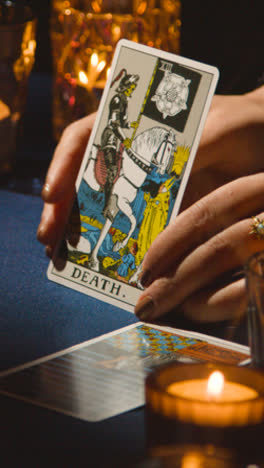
(41,233)
(45,193)
(145,308)
(145,278)
(46,233)
(49,251)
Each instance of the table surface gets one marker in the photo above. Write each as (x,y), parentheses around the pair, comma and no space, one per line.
(39,317)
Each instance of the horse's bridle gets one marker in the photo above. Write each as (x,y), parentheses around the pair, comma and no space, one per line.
(138,161)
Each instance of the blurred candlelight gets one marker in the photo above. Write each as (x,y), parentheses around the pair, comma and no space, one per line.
(4,110)
(83,77)
(84,35)
(94,59)
(101,66)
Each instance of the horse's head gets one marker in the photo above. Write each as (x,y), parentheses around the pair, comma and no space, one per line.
(156,146)
(164,155)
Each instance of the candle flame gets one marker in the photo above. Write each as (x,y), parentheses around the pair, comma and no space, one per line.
(215,384)
(101,66)
(94,59)
(83,77)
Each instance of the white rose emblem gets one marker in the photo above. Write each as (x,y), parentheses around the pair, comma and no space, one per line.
(171,94)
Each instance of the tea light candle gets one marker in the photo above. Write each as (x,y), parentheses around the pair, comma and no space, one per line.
(215,388)
(206,395)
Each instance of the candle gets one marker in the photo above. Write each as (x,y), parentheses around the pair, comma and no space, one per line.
(206,405)
(206,395)
(215,388)
(90,78)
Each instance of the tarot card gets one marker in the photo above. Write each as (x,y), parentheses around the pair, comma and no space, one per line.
(134,171)
(105,376)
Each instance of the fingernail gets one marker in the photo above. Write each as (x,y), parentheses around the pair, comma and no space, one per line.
(145,278)
(41,233)
(144,309)
(48,251)
(45,191)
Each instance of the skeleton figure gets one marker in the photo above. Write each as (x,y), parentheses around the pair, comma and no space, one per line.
(113,135)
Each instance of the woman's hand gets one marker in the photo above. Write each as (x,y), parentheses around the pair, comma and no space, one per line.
(211,236)
(185,265)
(59,189)
(231,145)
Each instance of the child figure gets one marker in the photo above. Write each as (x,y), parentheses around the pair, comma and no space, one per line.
(128,262)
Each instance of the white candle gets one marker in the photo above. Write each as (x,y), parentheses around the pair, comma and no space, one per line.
(199,389)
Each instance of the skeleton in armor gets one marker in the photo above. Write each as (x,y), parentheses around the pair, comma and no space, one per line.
(113,134)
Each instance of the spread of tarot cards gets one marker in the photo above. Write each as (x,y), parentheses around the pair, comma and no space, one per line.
(135,170)
(105,376)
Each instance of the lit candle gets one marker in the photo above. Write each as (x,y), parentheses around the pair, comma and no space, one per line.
(89,79)
(214,389)
(204,395)
(204,405)
(83,78)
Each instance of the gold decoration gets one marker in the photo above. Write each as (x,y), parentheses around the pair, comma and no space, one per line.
(258,227)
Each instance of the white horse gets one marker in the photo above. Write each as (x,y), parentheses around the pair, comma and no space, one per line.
(153,147)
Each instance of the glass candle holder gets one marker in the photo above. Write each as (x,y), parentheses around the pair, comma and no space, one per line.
(84,35)
(254,271)
(183,406)
(17,53)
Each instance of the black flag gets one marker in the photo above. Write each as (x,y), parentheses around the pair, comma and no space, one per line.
(171,94)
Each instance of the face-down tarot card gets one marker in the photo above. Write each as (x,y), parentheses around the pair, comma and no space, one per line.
(135,170)
(105,376)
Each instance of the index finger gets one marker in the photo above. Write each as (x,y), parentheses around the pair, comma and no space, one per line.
(67,159)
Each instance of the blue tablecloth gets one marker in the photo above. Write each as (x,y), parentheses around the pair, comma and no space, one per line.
(39,317)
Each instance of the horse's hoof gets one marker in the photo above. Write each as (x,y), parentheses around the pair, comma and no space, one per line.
(93,265)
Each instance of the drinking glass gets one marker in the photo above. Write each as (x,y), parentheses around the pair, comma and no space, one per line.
(255,286)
